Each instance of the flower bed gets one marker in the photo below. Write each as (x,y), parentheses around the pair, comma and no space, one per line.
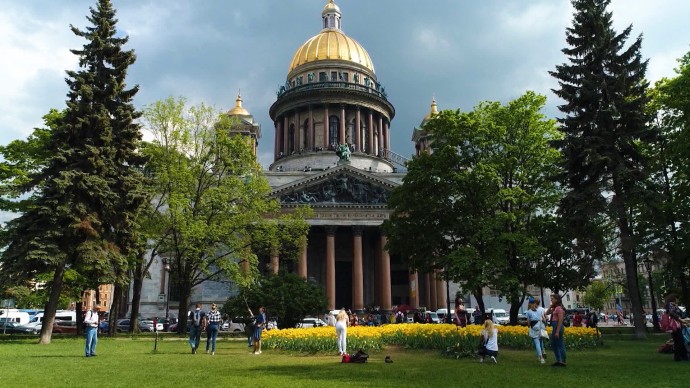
(445,337)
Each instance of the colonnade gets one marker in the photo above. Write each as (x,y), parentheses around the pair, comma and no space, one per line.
(297,131)
(432,296)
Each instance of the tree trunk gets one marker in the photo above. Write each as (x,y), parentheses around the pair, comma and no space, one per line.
(480,301)
(185,296)
(51,305)
(80,315)
(515,304)
(137,284)
(115,309)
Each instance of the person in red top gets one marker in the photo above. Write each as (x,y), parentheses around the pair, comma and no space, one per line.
(577,319)
(557,315)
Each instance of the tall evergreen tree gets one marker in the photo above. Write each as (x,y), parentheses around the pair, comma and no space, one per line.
(603,86)
(88,199)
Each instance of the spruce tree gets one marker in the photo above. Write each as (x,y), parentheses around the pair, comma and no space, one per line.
(90,190)
(603,86)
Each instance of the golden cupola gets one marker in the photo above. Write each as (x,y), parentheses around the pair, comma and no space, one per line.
(331,44)
(237,110)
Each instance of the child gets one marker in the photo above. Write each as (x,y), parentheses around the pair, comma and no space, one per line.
(490,340)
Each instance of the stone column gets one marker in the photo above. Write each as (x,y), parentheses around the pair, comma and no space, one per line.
(275,263)
(286,132)
(325,127)
(381,136)
(385,276)
(276,141)
(311,136)
(298,134)
(302,264)
(330,266)
(341,135)
(357,270)
(387,132)
(432,287)
(414,290)
(440,292)
(427,291)
(358,131)
(370,132)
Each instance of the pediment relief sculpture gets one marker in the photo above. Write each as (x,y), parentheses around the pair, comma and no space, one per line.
(341,188)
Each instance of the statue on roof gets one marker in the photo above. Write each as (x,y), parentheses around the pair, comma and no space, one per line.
(343,151)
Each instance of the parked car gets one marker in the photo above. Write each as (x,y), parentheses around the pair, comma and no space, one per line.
(9,327)
(123,326)
(431,316)
(311,322)
(64,327)
(500,316)
(522,320)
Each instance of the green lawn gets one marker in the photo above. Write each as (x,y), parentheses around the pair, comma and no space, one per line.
(125,362)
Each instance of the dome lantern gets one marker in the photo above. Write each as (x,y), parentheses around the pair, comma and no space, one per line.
(331,16)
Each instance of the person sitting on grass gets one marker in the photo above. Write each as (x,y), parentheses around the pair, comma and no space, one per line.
(490,340)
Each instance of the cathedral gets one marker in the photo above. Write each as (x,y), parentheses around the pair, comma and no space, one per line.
(332,135)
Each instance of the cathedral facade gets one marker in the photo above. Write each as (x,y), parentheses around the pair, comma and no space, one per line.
(332,134)
(332,121)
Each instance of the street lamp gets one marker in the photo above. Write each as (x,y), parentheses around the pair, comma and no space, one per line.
(648,266)
(166,266)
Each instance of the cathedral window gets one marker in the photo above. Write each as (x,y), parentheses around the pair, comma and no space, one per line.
(334,76)
(322,76)
(333,123)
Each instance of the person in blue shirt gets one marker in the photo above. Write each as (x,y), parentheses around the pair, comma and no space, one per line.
(259,325)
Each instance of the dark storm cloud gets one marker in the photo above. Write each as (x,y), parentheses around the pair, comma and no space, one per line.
(461,52)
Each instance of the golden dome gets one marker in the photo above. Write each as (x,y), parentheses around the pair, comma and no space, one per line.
(331,44)
(433,111)
(331,7)
(238,110)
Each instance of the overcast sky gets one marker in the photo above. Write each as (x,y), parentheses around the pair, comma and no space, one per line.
(461,52)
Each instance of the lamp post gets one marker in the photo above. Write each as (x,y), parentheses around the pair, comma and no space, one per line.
(648,266)
(166,266)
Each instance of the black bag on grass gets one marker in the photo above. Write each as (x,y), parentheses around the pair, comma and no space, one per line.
(359,357)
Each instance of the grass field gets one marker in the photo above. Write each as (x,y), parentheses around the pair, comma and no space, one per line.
(131,362)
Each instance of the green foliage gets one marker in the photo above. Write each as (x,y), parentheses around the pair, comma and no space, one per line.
(598,293)
(85,179)
(478,194)
(287,297)
(604,126)
(213,209)
(668,212)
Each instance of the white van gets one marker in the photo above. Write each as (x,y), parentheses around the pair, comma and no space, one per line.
(500,316)
(19,317)
(60,315)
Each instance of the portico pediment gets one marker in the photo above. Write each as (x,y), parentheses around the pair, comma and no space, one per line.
(343,185)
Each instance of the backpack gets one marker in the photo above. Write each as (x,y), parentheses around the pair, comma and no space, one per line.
(667,323)
(197,317)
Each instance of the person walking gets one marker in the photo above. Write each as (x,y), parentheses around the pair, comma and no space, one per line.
(477,316)
(557,328)
(91,332)
(341,321)
(259,324)
(536,323)
(196,322)
(680,353)
(214,321)
(490,339)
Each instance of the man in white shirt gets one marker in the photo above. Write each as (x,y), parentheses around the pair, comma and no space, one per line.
(91,330)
